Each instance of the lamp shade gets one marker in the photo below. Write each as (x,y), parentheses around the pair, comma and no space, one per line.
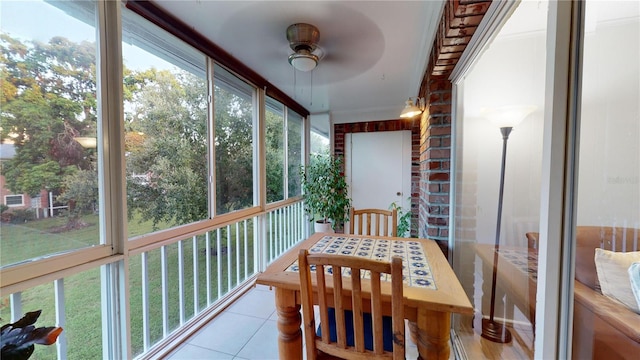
(303,62)
(410,110)
(507,116)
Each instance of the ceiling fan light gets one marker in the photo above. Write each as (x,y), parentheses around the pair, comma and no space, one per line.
(303,62)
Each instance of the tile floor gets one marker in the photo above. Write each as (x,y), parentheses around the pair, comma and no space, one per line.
(245,330)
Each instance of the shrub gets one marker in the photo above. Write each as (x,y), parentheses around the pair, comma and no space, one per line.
(22,216)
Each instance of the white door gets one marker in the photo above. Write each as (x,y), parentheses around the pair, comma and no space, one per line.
(378,169)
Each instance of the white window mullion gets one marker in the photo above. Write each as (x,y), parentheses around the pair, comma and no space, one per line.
(285,142)
(115,305)
(554,311)
(211,139)
(61,343)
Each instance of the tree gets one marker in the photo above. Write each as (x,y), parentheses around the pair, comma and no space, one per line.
(167,145)
(48,98)
(234,151)
(81,193)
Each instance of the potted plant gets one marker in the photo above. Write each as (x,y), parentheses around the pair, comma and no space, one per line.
(325,192)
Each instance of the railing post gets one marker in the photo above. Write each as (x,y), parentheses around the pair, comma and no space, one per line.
(61,343)
(16,306)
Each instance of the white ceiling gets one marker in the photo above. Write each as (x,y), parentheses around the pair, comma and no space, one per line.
(375,52)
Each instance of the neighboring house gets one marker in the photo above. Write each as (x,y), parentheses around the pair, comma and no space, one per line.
(19,201)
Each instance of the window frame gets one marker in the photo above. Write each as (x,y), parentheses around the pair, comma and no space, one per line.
(7,197)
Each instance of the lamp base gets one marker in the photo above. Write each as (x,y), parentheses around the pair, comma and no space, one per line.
(496,332)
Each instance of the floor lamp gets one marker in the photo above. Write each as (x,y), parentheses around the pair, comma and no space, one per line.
(506,118)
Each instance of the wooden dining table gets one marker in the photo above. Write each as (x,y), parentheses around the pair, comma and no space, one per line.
(432,292)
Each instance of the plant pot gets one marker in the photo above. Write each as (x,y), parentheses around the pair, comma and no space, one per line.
(320,226)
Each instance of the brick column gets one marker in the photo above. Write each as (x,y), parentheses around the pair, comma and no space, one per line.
(459,22)
(435,161)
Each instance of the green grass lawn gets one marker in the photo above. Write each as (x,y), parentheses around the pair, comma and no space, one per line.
(83,327)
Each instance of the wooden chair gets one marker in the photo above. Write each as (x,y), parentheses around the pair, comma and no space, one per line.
(366,218)
(333,293)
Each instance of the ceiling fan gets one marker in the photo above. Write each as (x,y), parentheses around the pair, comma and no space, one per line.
(303,40)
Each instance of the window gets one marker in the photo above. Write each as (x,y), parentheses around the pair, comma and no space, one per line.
(275,150)
(319,141)
(294,152)
(284,151)
(165,106)
(508,78)
(48,111)
(14,200)
(234,132)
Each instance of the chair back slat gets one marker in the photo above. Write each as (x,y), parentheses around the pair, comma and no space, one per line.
(356,306)
(376,312)
(339,307)
(375,222)
(323,303)
(350,296)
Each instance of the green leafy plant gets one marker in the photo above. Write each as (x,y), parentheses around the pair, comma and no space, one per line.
(404,220)
(17,339)
(325,190)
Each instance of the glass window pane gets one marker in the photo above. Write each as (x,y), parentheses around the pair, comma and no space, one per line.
(494,260)
(319,141)
(49,106)
(166,106)
(294,152)
(275,150)
(608,189)
(234,117)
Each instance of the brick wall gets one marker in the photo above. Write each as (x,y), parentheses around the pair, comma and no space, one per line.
(459,22)
(435,160)
(340,130)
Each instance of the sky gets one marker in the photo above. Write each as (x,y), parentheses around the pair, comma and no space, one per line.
(37,20)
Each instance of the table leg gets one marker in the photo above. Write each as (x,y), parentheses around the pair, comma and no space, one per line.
(432,334)
(289,321)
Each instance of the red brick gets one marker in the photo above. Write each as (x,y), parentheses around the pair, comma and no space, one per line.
(438,199)
(440,130)
(440,109)
(440,84)
(437,221)
(439,153)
